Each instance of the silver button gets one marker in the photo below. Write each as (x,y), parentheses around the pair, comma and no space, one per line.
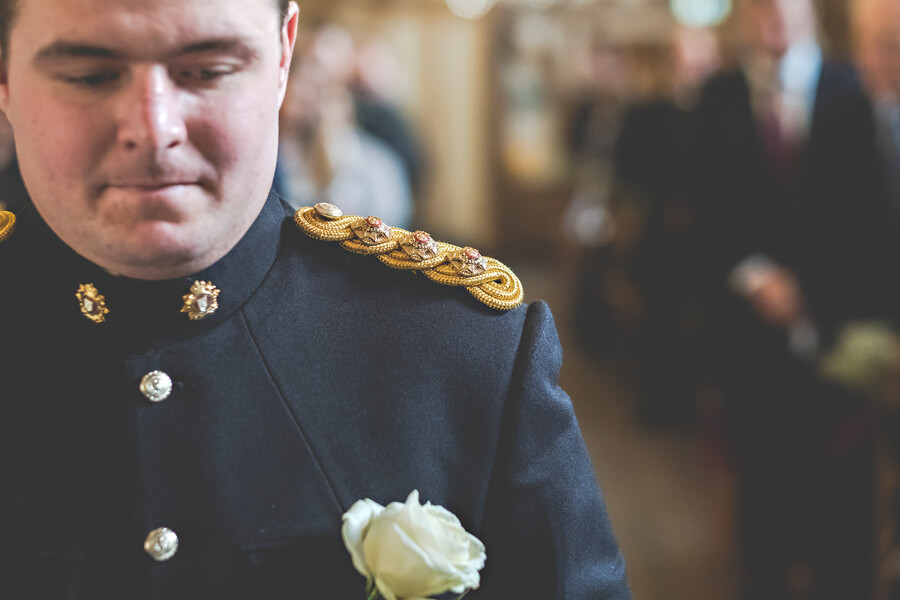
(161,544)
(156,386)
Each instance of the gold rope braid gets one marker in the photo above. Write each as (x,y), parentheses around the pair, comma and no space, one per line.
(497,287)
(7,224)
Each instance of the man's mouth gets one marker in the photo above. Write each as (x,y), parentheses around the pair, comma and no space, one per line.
(150,186)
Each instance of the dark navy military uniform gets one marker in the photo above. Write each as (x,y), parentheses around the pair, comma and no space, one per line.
(322,378)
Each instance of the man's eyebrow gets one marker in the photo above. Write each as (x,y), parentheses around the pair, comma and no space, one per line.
(62,49)
(234,46)
(58,50)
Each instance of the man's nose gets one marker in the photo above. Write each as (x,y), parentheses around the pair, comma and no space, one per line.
(151,112)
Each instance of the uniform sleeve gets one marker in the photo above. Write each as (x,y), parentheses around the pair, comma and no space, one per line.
(546,531)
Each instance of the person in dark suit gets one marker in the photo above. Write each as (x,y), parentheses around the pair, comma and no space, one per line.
(653,143)
(790,242)
(194,390)
(652,169)
(876,25)
(877,52)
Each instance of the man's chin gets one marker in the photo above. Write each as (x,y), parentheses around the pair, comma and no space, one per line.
(172,203)
(158,250)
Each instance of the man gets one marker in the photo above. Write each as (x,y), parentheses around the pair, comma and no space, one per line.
(789,240)
(194,391)
(876,28)
(877,35)
(651,165)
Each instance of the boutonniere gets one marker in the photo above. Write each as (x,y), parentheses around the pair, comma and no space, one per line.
(410,551)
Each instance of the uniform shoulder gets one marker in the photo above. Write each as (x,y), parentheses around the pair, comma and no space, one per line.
(7,225)
(487,279)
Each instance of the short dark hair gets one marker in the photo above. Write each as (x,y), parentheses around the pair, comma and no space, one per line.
(7,15)
(8,9)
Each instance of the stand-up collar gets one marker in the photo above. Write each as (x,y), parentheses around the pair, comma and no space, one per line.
(147,313)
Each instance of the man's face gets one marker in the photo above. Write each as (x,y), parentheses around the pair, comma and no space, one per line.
(147,131)
(878,46)
(776,24)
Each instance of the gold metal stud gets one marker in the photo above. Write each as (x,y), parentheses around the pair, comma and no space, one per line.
(92,303)
(372,231)
(201,301)
(420,246)
(469,262)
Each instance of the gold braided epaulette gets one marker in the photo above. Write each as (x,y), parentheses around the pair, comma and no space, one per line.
(7,224)
(489,280)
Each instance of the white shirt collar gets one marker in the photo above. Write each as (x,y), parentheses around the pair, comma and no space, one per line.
(791,82)
(800,67)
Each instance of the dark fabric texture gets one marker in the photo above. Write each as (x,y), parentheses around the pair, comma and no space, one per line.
(323,378)
(652,168)
(12,189)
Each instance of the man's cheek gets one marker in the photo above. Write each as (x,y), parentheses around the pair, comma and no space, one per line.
(227,141)
(58,136)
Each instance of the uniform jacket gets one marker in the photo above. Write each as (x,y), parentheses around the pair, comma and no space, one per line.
(323,378)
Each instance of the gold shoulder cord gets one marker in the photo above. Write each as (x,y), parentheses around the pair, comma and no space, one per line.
(489,280)
(7,224)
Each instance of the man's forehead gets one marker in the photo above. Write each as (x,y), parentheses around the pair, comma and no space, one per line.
(86,11)
(250,4)
(135,27)
(883,15)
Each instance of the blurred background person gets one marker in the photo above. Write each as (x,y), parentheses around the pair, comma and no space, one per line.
(324,155)
(876,29)
(877,51)
(590,217)
(376,82)
(653,170)
(790,248)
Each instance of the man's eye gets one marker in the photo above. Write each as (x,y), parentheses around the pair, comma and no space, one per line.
(204,75)
(92,79)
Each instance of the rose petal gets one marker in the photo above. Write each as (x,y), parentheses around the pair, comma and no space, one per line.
(399,563)
(411,550)
(356,522)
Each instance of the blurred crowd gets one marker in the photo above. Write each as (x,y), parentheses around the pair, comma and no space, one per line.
(343,138)
(753,208)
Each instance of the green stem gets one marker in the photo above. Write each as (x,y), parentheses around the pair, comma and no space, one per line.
(372,591)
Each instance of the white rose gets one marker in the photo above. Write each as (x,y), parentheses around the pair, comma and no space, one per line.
(412,551)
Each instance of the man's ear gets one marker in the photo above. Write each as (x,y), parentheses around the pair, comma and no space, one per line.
(4,86)
(288,39)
